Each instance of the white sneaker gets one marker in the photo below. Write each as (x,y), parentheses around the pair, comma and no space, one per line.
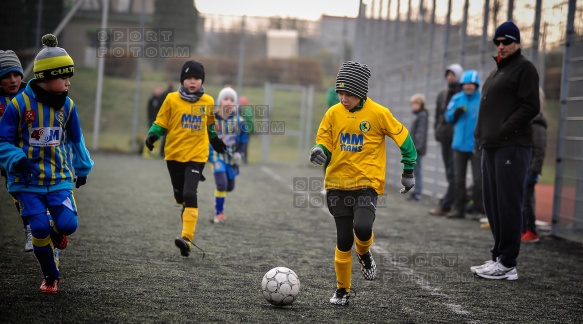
(498,271)
(481,267)
(28,239)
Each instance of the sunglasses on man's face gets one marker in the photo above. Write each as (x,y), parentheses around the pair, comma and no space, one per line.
(505,42)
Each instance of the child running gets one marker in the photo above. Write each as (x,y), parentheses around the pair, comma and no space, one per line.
(231,129)
(186,118)
(351,139)
(43,150)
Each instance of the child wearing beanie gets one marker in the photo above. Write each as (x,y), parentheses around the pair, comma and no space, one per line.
(11,84)
(187,119)
(43,150)
(231,129)
(419,135)
(351,140)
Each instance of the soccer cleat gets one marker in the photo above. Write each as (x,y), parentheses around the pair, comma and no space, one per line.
(498,271)
(59,241)
(367,266)
(27,239)
(184,245)
(340,297)
(49,285)
(482,267)
(219,218)
(529,237)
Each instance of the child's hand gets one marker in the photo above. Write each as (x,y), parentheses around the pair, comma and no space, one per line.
(150,140)
(317,156)
(81,181)
(459,111)
(407,180)
(28,168)
(238,158)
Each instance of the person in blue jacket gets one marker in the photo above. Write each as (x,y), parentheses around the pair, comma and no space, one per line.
(43,150)
(462,111)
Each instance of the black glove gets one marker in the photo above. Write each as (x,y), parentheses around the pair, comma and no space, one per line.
(81,181)
(531,179)
(407,180)
(27,168)
(150,140)
(458,112)
(218,145)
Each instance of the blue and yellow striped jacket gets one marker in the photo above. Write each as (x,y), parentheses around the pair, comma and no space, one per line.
(32,129)
(234,135)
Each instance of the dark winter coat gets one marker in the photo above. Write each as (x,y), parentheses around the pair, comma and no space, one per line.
(539,143)
(418,131)
(510,100)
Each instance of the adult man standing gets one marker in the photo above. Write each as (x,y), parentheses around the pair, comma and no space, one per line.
(510,100)
(444,135)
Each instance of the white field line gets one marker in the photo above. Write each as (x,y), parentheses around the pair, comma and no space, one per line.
(402,267)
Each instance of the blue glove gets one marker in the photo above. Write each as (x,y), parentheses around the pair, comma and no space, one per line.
(531,179)
(407,180)
(317,156)
(27,169)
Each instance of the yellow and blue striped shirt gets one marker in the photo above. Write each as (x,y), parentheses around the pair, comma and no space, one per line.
(32,129)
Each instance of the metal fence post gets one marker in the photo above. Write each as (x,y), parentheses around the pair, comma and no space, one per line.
(463,34)
(484,42)
(535,37)
(563,100)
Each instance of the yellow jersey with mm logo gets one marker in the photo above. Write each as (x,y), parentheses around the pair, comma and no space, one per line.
(186,127)
(356,142)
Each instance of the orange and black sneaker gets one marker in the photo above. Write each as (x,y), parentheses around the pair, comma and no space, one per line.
(49,285)
(219,218)
(529,237)
(59,241)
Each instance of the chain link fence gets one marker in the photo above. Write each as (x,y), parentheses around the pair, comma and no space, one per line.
(409,44)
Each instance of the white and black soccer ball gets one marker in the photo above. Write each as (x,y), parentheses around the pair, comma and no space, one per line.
(280,286)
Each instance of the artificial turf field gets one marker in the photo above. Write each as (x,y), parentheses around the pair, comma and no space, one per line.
(122,266)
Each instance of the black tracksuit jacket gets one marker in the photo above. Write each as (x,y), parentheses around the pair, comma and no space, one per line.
(510,100)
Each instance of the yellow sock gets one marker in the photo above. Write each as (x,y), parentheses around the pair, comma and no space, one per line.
(189,218)
(363,246)
(343,268)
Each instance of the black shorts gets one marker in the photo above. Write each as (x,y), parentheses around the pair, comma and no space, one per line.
(344,202)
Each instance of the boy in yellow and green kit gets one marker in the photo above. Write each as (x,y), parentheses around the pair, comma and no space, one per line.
(351,139)
(187,120)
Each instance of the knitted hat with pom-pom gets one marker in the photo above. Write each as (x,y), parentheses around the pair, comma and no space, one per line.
(52,62)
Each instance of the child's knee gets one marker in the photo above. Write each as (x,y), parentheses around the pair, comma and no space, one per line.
(65,220)
(40,227)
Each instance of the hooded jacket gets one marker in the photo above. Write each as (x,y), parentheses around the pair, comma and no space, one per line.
(444,130)
(539,143)
(510,100)
(464,125)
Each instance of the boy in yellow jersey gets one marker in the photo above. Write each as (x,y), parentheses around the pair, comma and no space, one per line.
(186,118)
(11,84)
(43,150)
(351,139)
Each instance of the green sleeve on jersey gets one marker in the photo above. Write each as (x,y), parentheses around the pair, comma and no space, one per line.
(159,131)
(328,154)
(408,153)
(212,131)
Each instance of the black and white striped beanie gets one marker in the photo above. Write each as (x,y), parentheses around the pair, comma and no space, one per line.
(353,78)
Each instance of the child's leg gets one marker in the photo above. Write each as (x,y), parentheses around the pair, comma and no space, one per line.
(343,252)
(363,233)
(43,249)
(192,175)
(221,182)
(64,217)
(176,171)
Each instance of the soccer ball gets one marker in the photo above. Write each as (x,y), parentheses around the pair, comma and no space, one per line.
(280,286)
